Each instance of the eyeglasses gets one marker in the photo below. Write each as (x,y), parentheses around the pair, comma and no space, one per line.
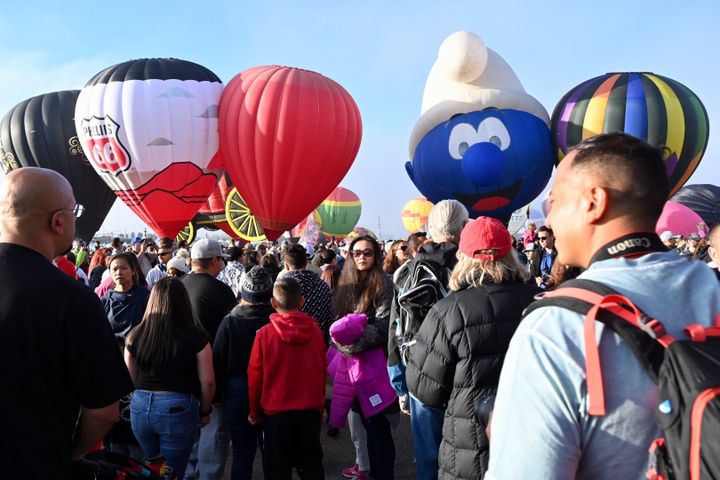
(77,210)
(368,252)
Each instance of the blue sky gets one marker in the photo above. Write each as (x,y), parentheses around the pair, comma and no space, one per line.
(381,52)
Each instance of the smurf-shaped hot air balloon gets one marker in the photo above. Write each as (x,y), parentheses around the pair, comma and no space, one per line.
(481,139)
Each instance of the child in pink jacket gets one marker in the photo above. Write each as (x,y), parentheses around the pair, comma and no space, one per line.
(363,375)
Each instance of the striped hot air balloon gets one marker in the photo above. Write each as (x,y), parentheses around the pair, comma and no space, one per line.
(338,214)
(415,214)
(657,109)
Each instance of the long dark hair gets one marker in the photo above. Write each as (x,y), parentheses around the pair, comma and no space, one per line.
(357,293)
(168,317)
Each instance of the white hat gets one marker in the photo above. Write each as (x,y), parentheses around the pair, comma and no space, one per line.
(666,235)
(178,263)
(466,77)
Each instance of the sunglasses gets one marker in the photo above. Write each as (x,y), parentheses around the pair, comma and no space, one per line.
(542,239)
(402,247)
(368,252)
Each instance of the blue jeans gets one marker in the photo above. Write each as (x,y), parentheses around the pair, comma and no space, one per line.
(245,437)
(427,423)
(165,423)
(213,446)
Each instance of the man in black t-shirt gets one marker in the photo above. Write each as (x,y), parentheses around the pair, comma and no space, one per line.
(211,300)
(62,369)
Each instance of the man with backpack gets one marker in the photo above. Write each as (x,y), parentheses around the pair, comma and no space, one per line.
(574,400)
(425,283)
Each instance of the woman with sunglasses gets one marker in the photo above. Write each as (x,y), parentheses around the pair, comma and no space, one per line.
(365,288)
(396,257)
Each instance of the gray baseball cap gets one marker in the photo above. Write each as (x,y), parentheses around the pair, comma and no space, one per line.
(206,248)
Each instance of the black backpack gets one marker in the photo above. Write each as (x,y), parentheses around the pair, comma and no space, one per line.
(687,373)
(423,287)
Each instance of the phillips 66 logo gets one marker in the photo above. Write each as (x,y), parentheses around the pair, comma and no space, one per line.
(102,144)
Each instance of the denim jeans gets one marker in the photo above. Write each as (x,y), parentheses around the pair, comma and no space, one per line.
(427,423)
(165,423)
(213,446)
(245,437)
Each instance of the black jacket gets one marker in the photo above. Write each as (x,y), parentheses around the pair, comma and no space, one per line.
(234,341)
(443,255)
(456,360)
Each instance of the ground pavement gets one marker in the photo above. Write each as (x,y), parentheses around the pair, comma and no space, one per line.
(339,453)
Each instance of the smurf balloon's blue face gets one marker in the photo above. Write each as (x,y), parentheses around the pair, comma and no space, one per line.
(492,161)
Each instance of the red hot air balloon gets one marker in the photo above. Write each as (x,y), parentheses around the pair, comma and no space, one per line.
(288,137)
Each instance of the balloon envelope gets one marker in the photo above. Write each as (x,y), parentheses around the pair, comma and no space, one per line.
(703,199)
(211,215)
(149,127)
(415,214)
(678,219)
(288,136)
(657,109)
(339,212)
(40,132)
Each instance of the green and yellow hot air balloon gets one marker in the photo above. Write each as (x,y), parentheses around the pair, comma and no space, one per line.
(657,109)
(338,214)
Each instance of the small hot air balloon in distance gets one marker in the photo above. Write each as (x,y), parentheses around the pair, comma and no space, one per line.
(149,128)
(415,214)
(40,132)
(656,109)
(339,213)
(288,136)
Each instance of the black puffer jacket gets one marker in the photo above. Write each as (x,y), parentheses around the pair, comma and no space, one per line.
(440,255)
(457,359)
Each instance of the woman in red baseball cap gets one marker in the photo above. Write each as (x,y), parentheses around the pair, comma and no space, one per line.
(458,353)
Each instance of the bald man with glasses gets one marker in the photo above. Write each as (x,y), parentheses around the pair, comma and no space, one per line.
(62,369)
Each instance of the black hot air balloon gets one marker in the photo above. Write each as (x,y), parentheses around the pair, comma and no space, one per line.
(702,199)
(40,132)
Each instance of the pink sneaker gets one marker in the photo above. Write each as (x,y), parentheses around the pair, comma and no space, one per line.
(360,475)
(351,472)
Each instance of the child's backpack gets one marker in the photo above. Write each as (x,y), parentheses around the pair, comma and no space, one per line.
(687,373)
(424,286)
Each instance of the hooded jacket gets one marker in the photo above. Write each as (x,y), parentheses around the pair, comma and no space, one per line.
(287,366)
(362,376)
(234,341)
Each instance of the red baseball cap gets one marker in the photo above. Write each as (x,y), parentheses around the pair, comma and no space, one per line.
(485,238)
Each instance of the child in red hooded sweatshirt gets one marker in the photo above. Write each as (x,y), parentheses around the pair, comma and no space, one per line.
(286,378)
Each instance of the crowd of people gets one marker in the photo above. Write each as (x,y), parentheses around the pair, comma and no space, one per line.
(159,351)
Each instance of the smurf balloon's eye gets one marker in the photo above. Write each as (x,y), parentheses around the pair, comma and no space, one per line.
(494,131)
(462,137)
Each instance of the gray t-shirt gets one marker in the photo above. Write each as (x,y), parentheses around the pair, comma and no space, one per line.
(541,427)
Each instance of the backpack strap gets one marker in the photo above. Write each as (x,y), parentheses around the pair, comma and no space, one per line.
(646,337)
